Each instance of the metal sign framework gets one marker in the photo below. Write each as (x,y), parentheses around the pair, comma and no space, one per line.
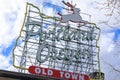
(45,42)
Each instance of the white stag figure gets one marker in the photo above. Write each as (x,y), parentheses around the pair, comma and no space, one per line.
(74,17)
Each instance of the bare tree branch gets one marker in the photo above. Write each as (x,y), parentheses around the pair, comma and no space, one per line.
(110,65)
(112,11)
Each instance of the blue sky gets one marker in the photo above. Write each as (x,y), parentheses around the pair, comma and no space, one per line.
(8,50)
(11,17)
(117,34)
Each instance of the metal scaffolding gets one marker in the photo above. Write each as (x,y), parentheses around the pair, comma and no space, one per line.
(45,42)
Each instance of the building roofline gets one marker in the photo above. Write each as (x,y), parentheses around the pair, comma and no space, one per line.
(24,76)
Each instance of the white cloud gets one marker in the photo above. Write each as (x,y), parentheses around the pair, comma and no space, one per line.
(11,18)
(108,56)
(106,39)
(4,62)
(111,47)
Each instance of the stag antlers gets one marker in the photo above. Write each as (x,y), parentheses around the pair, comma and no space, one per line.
(68,4)
(74,17)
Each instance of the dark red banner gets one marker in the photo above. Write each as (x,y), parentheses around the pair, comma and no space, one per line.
(57,73)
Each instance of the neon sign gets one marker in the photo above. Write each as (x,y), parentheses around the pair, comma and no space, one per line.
(68,47)
(57,73)
(62,34)
(65,33)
